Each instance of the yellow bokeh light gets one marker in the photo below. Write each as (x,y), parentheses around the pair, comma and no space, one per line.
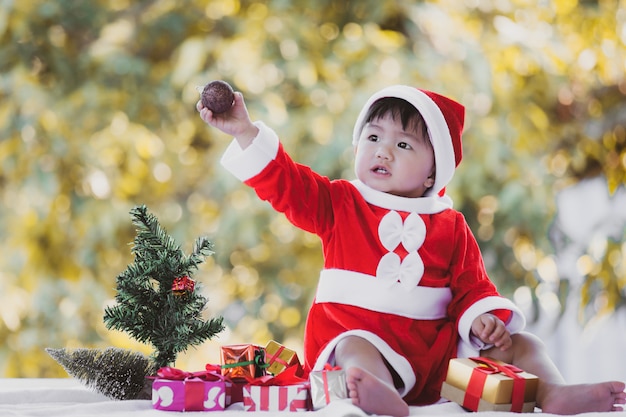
(353,31)
(290,317)
(269,312)
(217,9)
(525,254)
(322,128)
(585,264)
(547,270)
(329,31)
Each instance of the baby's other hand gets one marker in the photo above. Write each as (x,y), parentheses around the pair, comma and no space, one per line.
(490,329)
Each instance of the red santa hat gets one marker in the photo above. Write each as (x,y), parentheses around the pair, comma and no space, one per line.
(444,118)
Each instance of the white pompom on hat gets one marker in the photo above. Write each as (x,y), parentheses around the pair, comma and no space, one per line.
(444,118)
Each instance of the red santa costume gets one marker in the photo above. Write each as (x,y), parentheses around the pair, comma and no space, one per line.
(404,273)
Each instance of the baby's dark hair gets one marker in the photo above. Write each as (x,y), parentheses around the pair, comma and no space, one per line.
(398,108)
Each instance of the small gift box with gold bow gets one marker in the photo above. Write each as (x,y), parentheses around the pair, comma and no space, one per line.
(483,384)
(243,361)
(327,385)
(278,357)
(176,390)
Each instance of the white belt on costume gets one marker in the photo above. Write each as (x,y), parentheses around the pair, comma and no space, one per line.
(366,291)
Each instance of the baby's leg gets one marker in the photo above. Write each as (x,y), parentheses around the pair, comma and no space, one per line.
(553,394)
(369,381)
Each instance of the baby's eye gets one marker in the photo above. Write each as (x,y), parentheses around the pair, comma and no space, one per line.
(373,138)
(404,145)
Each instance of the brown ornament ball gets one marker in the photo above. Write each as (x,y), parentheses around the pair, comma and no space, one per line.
(218,96)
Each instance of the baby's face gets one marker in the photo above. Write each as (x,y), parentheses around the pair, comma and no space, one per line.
(393,160)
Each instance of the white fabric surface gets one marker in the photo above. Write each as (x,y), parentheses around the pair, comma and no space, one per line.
(68,398)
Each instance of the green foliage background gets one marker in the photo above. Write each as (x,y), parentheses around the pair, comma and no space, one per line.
(97,115)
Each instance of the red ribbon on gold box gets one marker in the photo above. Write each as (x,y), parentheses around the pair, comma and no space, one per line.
(484,384)
(279,358)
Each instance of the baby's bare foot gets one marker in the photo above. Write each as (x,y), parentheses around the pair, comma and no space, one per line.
(584,398)
(373,395)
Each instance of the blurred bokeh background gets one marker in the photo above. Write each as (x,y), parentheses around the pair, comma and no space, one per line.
(97,115)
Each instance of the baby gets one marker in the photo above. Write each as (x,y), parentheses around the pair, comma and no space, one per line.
(403,288)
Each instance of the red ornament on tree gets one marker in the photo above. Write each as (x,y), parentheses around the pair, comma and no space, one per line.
(183,285)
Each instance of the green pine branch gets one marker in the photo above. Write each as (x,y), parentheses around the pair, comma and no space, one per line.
(147,308)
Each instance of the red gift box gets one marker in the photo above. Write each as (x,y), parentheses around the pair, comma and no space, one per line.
(284,392)
(235,393)
(176,390)
(243,361)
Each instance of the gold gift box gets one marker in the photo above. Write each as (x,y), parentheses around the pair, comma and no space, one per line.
(497,390)
(278,357)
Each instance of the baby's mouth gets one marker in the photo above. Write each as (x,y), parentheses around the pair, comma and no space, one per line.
(380,170)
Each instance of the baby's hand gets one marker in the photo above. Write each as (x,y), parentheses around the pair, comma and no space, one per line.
(234,122)
(490,329)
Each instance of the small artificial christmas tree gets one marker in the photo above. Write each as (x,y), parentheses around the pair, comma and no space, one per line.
(157,301)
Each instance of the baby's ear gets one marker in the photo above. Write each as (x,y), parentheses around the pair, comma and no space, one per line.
(430,181)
